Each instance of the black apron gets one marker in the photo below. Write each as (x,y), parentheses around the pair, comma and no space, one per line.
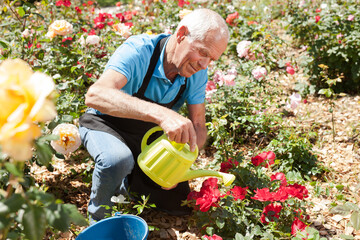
(131,132)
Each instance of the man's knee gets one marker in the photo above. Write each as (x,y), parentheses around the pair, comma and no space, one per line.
(121,161)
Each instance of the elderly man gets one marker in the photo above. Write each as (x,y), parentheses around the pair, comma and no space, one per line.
(144,84)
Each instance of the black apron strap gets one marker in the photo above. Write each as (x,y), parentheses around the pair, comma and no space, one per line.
(153,61)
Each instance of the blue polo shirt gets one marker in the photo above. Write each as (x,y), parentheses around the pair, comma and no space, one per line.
(132,59)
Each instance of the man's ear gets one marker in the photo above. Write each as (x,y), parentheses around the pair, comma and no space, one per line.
(182,32)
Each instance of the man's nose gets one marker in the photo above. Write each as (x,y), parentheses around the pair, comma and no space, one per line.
(204,62)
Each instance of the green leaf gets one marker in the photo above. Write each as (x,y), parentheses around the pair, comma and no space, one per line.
(239,236)
(4,43)
(73,68)
(44,152)
(13,169)
(40,55)
(352,206)
(15,202)
(210,231)
(49,137)
(220,223)
(21,11)
(34,222)
(340,209)
(75,215)
(61,215)
(346,237)
(355,220)
(67,118)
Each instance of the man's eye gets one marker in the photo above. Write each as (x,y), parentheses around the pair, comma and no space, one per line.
(203,53)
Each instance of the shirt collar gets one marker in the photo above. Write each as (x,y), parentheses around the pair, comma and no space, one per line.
(159,69)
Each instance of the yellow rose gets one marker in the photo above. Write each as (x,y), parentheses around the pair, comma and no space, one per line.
(183,13)
(59,27)
(24,100)
(122,29)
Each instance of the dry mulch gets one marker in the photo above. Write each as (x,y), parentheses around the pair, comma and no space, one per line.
(340,155)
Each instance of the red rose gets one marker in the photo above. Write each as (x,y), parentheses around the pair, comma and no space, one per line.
(225,166)
(59,3)
(67,3)
(280,177)
(237,192)
(67,39)
(298,191)
(120,16)
(208,196)
(280,195)
(213,237)
(78,10)
(318,10)
(317,19)
(181,3)
(259,159)
(270,212)
(263,195)
(252,22)
(297,225)
(231,17)
(129,24)
(290,70)
(92,32)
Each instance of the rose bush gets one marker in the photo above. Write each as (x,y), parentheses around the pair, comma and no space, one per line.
(330,37)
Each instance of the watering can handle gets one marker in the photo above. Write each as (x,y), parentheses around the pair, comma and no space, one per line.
(178,146)
(148,134)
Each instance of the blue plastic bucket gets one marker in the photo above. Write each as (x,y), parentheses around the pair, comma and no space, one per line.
(119,227)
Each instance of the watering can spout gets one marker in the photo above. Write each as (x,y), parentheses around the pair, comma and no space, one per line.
(227,178)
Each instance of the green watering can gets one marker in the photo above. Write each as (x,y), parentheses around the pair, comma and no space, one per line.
(168,163)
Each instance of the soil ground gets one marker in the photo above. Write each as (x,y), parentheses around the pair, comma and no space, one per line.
(341,155)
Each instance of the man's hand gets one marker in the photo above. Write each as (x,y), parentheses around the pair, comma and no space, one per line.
(179,129)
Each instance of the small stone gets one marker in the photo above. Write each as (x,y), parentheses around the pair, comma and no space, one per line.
(323,232)
(172,233)
(348,230)
(164,234)
(317,223)
(178,222)
(316,208)
(327,226)
(337,218)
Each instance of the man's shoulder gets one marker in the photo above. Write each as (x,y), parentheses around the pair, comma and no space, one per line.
(144,42)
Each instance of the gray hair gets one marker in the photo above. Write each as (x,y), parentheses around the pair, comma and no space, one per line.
(202,21)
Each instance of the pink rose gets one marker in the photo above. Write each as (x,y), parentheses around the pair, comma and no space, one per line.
(290,70)
(259,72)
(350,17)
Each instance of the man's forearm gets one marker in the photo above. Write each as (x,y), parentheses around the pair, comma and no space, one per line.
(119,104)
(201,135)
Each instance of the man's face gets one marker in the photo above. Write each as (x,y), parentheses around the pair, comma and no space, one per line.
(196,55)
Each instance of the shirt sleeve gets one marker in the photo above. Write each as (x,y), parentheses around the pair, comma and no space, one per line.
(129,59)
